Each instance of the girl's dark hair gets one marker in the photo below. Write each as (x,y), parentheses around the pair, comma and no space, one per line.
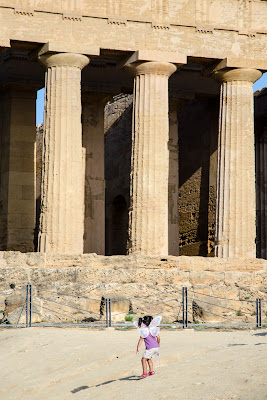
(145,320)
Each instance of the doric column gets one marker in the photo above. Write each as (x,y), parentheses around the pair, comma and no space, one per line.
(235,208)
(17,167)
(148,217)
(62,190)
(93,143)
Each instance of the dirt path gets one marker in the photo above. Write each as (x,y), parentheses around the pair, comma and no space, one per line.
(73,363)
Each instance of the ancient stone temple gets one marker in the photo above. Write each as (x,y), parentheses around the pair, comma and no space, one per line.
(148,136)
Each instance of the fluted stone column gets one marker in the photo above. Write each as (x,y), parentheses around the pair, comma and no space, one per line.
(62,190)
(148,217)
(236,207)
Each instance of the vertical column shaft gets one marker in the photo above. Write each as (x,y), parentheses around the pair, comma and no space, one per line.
(148,219)
(17,176)
(236,207)
(62,188)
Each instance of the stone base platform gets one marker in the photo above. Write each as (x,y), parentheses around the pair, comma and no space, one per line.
(91,269)
(134,276)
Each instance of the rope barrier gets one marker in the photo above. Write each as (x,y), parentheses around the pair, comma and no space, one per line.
(170,308)
(65,305)
(198,317)
(157,306)
(63,294)
(43,316)
(161,302)
(56,312)
(221,298)
(21,312)
(215,305)
(220,316)
(150,295)
(16,298)
(15,308)
(13,290)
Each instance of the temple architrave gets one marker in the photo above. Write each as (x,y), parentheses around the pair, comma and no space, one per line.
(148,136)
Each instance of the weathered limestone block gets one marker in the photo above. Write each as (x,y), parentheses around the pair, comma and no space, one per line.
(214,310)
(120,307)
(239,279)
(206,278)
(14,275)
(227,292)
(40,275)
(260,279)
(235,209)
(148,219)
(62,191)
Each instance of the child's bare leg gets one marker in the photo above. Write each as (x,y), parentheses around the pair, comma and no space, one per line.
(143,361)
(150,364)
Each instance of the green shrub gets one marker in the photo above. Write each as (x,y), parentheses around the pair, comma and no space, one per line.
(129,318)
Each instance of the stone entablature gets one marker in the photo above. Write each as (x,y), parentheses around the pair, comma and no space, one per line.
(159,13)
(164,24)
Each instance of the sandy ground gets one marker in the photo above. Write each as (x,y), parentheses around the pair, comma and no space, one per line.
(77,363)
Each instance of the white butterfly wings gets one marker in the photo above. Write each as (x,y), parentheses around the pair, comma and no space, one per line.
(155,321)
(152,328)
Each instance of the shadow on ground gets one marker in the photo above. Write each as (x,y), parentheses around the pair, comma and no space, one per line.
(127,378)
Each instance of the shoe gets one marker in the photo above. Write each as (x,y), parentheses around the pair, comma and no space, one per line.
(143,376)
(151,372)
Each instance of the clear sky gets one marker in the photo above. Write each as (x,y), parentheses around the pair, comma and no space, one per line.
(261,83)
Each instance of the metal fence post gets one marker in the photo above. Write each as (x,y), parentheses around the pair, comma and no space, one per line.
(109,307)
(27,305)
(258,306)
(185,308)
(30,305)
(107,324)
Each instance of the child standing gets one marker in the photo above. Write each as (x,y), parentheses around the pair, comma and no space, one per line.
(152,343)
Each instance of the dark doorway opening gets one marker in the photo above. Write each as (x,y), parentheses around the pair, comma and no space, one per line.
(119,226)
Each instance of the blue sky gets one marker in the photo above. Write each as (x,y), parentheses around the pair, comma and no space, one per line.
(261,83)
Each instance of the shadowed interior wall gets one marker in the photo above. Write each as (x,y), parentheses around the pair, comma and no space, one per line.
(119,226)
(197,176)
(261,172)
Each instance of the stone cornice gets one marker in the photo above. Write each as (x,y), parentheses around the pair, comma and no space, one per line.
(91,31)
(201,21)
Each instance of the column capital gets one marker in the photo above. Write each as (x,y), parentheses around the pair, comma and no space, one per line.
(64,60)
(237,74)
(151,67)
